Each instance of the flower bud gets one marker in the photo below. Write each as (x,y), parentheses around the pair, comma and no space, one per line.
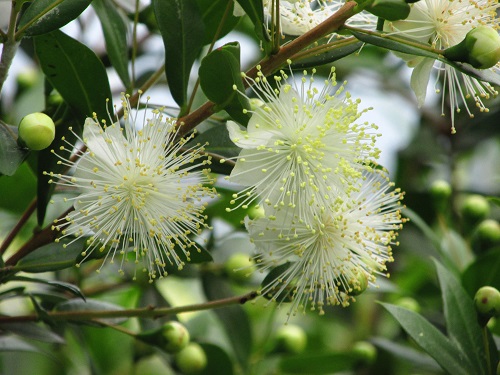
(290,339)
(171,337)
(440,191)
(474,209)
(480,48)
(408,303)
(36,131)
(487,302)
(365,352)
(354,286)
(239,267)
(486,236)
(191,360)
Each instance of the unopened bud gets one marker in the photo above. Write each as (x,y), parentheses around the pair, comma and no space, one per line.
(290,339)
(474,209)
(480,48)
(486,236)
(239,267)
(171,337)
(36,131)
(191,360)
(440,191)
(408,303)
(365,352)
(487,302)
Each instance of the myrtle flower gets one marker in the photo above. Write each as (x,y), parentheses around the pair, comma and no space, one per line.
(140,190)
(443,24)
(328,262)
(300,145)
(299,16)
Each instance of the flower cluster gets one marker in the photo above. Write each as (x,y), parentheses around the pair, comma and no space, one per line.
(443,24)
(140,190)
(330,215)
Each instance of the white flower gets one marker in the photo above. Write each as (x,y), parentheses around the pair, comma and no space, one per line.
(299,16)
(322,263)
(443,24)
(138,191)
(301,145)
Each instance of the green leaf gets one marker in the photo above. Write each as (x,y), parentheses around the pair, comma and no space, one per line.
(44,16)
(76,72)
(391,10)
(115,35)
(484,271)
(218,362)
(328,57)
(33,331)
(461,319)
(233,318)
(271,278)
(18,190)
(317,363)
(255,10)
(51,257)
(11,155)
(219,73)
(195,256)
(182,30)
(212,12)
(436,344)
(14,344)
(67,287)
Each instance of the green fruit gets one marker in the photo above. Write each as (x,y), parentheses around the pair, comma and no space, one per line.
(291,339)
(37,131)
(487,301)
(474,209)
(191,360)
(365,352)
(239,267)
(176,337)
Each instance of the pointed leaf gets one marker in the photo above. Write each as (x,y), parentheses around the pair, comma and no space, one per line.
(341,51)
(76,72)
(33,331)
(91,305)
(115,35)
(44,16)
(73,289)
(461,319)
(213,12)
(182,30)
(14,344)
(255,10)
(233,318)
(218,362)
(451,358)
(11,155)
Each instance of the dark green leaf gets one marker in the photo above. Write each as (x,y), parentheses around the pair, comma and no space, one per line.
(11,155)
(234,217)
(218,362)
(51,257)
(461,319)
(44,16)
(219,143)
(391,10)
(73,289)
(219,74)
(484,271)
(33,331)
(451,358)
(286,295)
(115,35)
(18,190)
(195,256)
(182,31)
(233,318)
(255,10)
(328,57)
(326,363)
(76,72)
(14,344)
(213,13)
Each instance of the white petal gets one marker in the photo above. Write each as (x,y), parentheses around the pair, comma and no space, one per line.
(420,79)
(251,138)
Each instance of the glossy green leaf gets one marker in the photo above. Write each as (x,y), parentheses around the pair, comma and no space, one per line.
(51,257)
(391,10)
(451,358)
(195,256)
(286,295)
(11,155)
(234,217)
(317,363)
(484,271)
(219,74)
(461,319)
(182,30)
(66,287)
(233,318)
(344,49)
(75,72)
(44,16)
(33,331)
(18,190)
(218,361)
(255,10)
(213,12)
(393,44)
(114,29)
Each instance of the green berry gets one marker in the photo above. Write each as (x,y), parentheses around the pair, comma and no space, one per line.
(37,131)
(487,301)
(474,209)
(176,337)
(365,352)
(239,267)
(290,339)
(408,303)
(191,360)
